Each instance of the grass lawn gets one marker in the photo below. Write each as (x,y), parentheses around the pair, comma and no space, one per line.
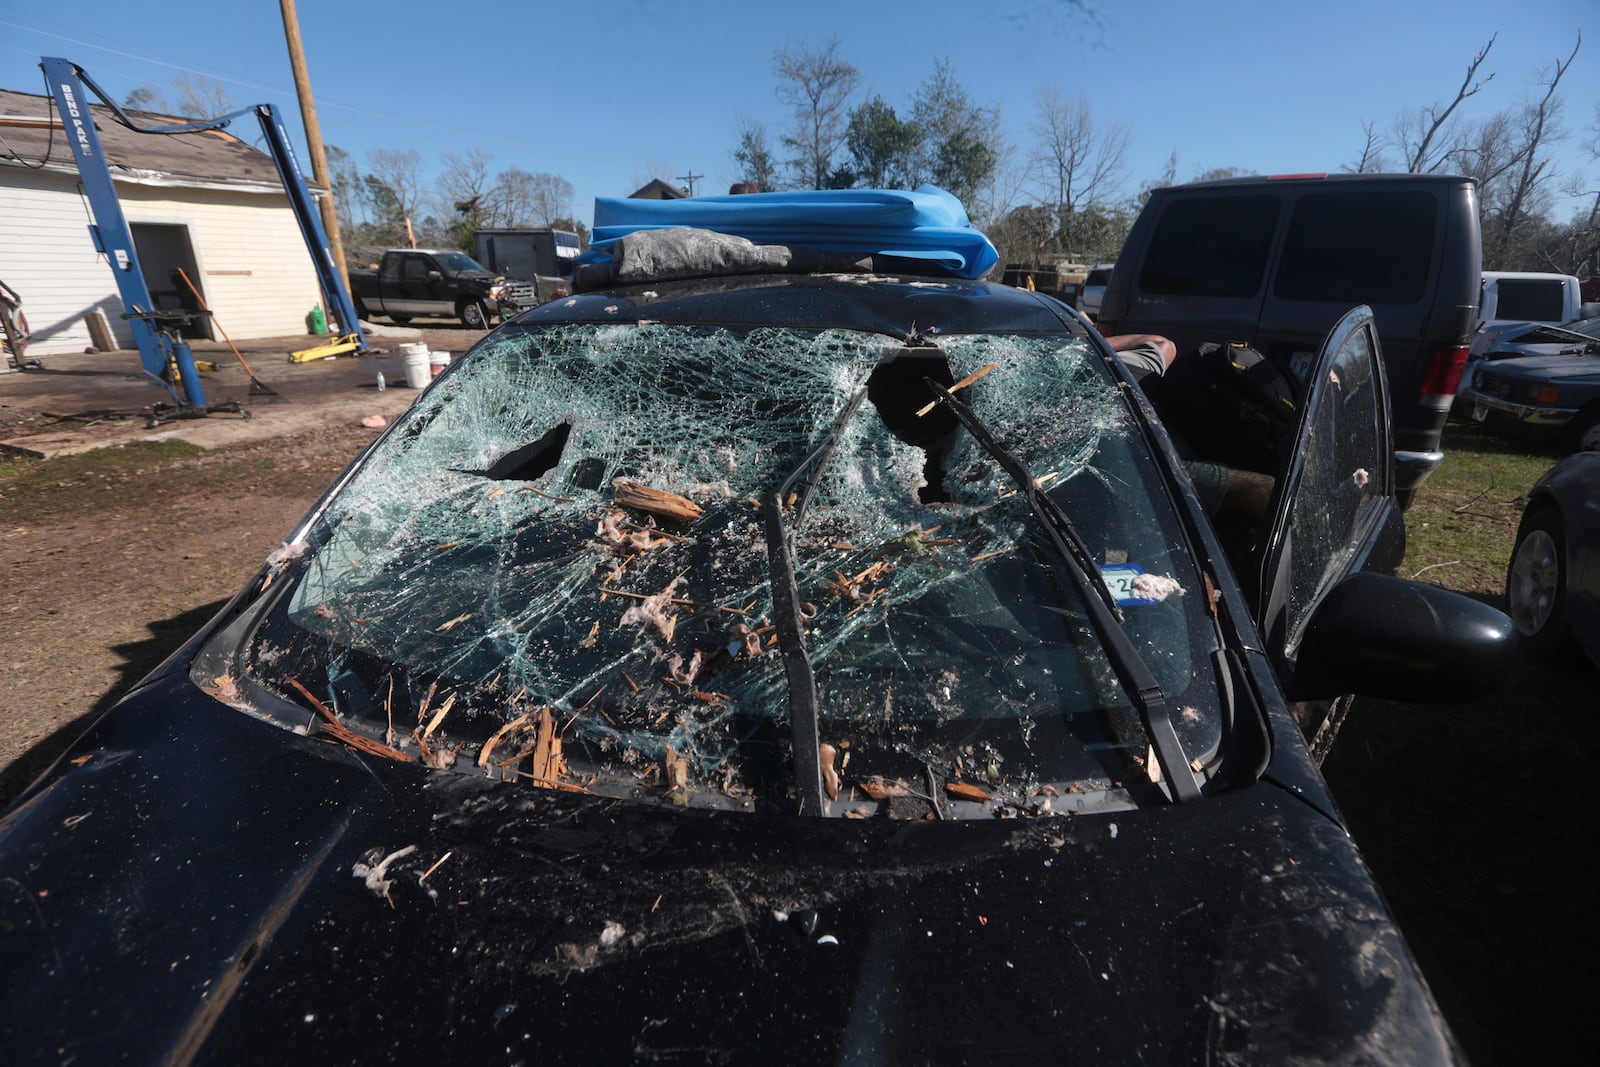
(1460,530)
(1473,817)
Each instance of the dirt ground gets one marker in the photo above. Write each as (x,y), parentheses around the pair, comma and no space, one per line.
(1472,818)
(116,556)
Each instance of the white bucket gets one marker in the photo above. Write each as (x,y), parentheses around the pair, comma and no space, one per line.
(416,357)
(438,362)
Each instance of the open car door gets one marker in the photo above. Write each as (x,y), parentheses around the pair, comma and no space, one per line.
(1333,510)
(1333,618)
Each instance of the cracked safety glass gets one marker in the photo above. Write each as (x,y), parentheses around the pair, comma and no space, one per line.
(553,570)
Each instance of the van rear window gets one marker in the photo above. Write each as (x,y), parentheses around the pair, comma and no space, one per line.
(1533,299)
(1211,246)
(1359,248)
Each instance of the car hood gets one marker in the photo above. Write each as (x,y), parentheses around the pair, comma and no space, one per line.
(1546,368)
(192,885)
(487,277)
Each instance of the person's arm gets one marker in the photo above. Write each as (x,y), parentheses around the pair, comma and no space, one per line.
(1161,346)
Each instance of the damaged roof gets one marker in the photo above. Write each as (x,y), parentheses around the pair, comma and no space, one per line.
(213,157)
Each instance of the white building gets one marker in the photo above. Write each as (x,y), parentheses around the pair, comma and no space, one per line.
(207,203)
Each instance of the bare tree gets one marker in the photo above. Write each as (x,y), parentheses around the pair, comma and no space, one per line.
(346,181)
(1585,257)
(1077,162)
(1416,133)
(1371,160)
(462,192)
(1169,176)
(1540,126)
(144,98)
(1005,189)
(816,85)
(511,200)
(201,96)
(1485,151)
(549,198)
(1023,234)
(399,173)
(464,179)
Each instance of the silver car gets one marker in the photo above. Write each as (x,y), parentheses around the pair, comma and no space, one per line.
(1093,289)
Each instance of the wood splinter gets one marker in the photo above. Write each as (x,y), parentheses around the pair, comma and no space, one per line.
(956,388)
(631,494)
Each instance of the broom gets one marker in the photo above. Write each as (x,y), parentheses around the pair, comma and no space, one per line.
(257,386)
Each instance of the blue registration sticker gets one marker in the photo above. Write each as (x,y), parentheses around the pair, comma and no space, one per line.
(1119,578)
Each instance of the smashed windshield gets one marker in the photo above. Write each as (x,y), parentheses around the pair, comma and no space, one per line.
(556,569)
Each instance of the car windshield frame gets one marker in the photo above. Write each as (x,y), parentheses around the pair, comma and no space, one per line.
(935,619)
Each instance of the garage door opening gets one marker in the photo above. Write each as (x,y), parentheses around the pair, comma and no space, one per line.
(163,250)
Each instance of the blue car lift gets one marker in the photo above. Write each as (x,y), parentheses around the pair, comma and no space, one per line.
(166,357)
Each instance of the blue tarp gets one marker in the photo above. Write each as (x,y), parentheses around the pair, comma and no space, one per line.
(926,224)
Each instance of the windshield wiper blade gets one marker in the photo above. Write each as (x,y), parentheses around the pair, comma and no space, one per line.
(1132,671)
(804,706)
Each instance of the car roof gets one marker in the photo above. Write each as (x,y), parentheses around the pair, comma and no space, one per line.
(1263,180)
(912,307)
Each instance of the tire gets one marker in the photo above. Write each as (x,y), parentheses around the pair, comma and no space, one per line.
(1536,584)
(1583,432)
(474,315)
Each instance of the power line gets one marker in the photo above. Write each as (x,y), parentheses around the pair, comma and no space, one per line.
(397,119)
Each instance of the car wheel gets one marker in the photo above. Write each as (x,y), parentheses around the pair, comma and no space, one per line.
(1536,583)
(474,316)
(1583,433)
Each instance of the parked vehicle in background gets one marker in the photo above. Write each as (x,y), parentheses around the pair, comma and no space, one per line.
(1511,339)
(543,256)
(1062,281)
(1093,290)
(1273,262)
(1553,580)
(1556,397)
(1522,298)
(668,683)
(437,282)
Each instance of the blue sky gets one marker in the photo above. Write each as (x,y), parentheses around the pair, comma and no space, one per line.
(605,96)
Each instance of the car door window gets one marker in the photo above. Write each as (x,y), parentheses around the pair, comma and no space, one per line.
(1342,471)
(415,269)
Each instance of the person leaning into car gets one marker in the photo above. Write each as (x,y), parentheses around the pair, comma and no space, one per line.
(1220,487)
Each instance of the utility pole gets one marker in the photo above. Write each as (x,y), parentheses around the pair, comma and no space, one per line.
(319,158)
(690,178)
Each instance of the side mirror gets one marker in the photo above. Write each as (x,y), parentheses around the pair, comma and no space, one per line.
(434,275)
(1380,636)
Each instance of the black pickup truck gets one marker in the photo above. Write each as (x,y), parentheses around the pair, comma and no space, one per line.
(434,282)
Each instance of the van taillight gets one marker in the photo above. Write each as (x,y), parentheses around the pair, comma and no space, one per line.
(1444,370)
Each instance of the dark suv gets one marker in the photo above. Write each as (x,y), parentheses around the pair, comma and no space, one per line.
(1274,262)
